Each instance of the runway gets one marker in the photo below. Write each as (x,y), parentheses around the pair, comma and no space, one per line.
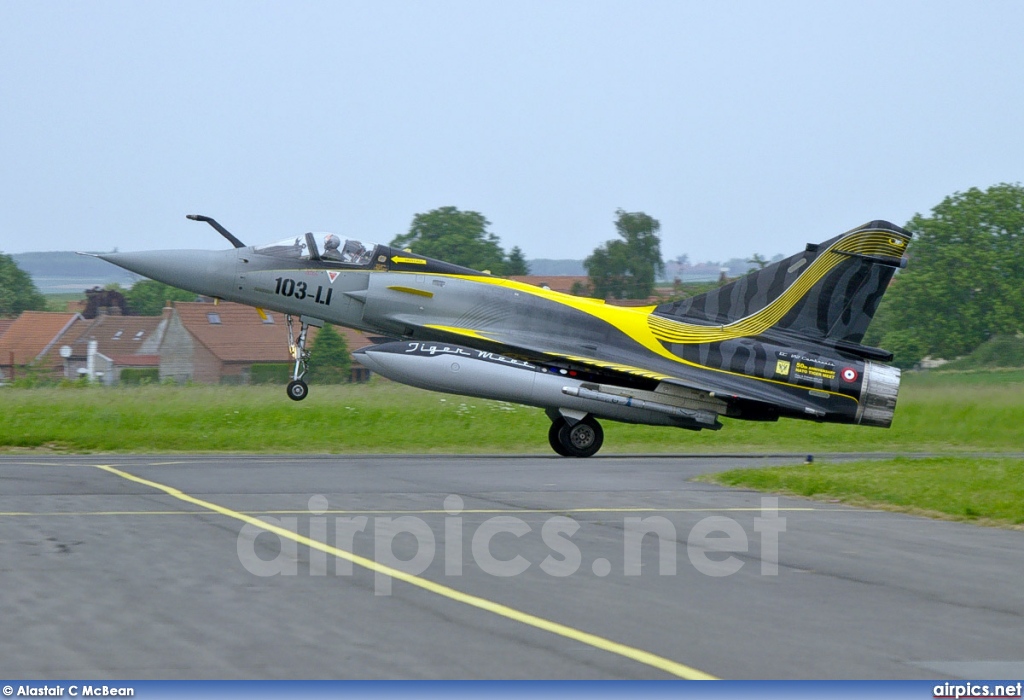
(169,566)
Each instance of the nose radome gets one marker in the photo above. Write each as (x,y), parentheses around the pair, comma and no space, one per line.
(209,272)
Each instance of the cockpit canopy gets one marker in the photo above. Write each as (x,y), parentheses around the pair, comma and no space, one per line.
(325,247)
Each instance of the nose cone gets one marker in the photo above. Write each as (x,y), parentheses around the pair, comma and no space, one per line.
(209,272)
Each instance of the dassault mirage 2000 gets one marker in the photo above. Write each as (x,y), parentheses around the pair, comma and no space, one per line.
(782,342)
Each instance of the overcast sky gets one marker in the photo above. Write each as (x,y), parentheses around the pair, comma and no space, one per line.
(742,126)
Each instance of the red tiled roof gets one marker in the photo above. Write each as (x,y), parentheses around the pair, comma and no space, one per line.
(5,323)
(240,335)
(564,284)
(557,283)
(32,333)
(115,335)
(649,301)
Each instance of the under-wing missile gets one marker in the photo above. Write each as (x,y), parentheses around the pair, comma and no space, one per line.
(456,369)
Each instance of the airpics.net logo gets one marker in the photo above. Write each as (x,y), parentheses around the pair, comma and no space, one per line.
(499,544)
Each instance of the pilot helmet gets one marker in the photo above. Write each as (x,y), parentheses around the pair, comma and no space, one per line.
(331,242)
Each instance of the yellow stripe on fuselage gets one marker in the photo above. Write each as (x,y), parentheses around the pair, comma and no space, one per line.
(640,324)
(650,331)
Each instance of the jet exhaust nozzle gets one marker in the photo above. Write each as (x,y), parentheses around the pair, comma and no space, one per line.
(878,395)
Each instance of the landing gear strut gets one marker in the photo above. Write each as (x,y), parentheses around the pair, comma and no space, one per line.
(581,439)
(297,389)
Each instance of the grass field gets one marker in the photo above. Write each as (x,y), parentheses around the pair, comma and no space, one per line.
(985,490)
(947,413)
(939,412)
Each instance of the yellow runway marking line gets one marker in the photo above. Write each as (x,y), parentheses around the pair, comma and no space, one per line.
(592,640)
(106,512)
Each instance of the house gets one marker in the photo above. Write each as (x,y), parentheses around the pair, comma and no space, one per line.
(111,343)
(566,284)
(219,343)
(579,285)
(29,339)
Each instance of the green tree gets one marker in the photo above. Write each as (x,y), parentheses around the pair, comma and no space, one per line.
(578,289)
(965,281)
(148,297)
(516,263)
(330,362)
(17,290)
(627,268)
(607,267)
(759,260)
(459,237)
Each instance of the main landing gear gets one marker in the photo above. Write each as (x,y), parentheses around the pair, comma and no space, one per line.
(297,389)
(580,438)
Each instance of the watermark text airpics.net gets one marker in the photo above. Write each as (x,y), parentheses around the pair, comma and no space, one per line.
(710,545)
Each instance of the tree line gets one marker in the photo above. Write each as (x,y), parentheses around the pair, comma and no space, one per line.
(963,287)
(964,284)
(623,268)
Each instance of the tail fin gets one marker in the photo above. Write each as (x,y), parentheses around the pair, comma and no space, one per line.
(829,291)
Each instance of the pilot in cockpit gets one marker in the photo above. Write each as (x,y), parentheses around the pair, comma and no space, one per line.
(352,252)
(331,245)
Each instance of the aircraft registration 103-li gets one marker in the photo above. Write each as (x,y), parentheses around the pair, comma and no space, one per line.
(782,342)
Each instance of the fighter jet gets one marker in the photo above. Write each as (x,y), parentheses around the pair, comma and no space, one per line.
(782,342)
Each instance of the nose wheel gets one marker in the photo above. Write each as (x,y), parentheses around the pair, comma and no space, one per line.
(297,390)
(581,439)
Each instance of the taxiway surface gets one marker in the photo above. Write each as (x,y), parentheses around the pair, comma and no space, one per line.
(519,567)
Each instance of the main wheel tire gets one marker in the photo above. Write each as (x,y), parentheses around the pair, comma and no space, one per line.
(582,439)
(553,439)
(297,390)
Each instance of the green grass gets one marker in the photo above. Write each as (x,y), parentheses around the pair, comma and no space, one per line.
(984,490)
(981,412)
(998,351)
(381,418)
(946,413)
(954,380)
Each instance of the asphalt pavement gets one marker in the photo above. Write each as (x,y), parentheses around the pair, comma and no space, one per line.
(169,566)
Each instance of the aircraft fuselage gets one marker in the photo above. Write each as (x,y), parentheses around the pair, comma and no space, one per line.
(781,342)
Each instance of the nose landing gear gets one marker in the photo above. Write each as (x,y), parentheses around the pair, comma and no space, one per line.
(298,389)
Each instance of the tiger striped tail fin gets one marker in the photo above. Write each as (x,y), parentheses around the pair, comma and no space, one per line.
(828,292)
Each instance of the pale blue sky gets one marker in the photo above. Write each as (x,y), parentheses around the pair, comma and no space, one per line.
(743,126)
